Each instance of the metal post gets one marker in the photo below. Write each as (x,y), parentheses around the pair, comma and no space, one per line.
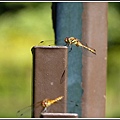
(67,22)
(94,32)
(48,66)
(86,21)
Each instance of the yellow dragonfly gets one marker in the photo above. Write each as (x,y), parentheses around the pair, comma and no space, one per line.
(48,102)
(44,104)
(72,40)
(69,41)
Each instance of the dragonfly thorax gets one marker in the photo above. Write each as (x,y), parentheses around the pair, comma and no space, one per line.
(71,40)
(66,40)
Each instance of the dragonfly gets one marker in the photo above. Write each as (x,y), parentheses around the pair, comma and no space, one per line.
(69,41)
(44,104)
(72,40)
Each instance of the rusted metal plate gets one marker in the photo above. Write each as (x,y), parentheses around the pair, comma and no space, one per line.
(94,33)
(59,115)
(49,63)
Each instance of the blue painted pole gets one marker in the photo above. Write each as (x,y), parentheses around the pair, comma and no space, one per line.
(67,22)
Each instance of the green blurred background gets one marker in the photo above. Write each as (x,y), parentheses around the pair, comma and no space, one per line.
(23,25)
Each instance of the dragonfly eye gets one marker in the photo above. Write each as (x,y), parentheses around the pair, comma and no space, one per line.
(44,103)
(66,40)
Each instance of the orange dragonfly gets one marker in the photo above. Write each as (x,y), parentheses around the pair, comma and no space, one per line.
(69,41)
(44,104)
(72,40)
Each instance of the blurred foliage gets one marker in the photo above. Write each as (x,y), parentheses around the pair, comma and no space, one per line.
(22,26)
(113,72)
(113,23)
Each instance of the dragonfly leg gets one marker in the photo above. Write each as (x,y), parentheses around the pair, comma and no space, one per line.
(66,44)
(70,48)
(44,110)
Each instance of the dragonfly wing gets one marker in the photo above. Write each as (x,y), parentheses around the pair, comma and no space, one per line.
(25,112)
(28,111)
(46,43)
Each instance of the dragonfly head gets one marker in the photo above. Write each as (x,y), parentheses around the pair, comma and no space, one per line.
(69,40)
(44,103)
(66,40)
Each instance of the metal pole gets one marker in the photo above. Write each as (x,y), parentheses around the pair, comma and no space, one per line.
(86,21)
(67,22)
(49,62)
(94,32)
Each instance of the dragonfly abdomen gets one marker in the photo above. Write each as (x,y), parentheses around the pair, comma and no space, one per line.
(57,99)
(48,102)
(75,41)
(90,49)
